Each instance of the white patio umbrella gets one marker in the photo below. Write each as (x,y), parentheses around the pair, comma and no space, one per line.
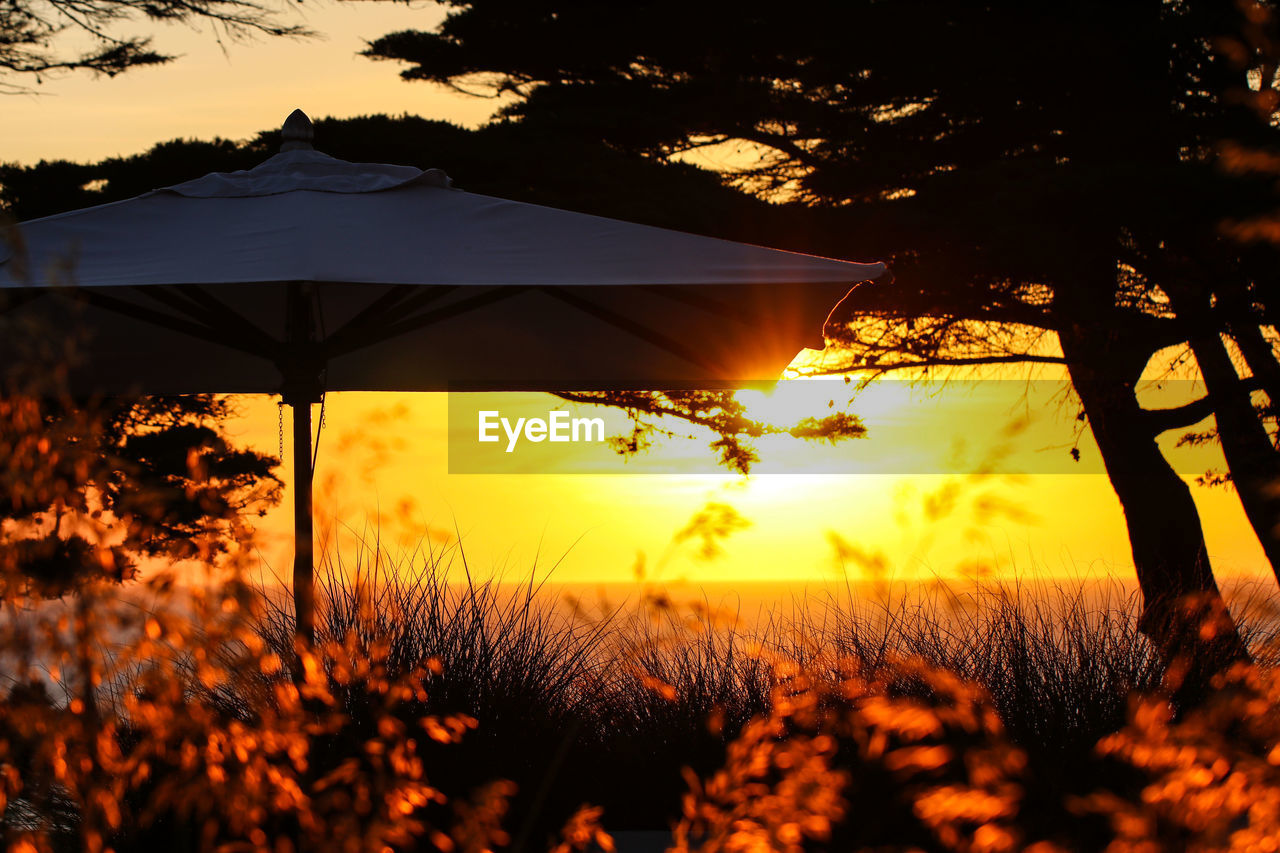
(309,274)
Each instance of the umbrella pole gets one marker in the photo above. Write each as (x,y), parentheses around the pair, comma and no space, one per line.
(301,369)
(304,605)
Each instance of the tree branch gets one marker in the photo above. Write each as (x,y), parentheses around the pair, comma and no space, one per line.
(1181,417)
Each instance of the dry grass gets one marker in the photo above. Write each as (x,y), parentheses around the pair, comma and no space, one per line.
(610,711)
(440,711)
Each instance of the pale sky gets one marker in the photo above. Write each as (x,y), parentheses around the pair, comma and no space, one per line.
(231,90)
(384,457)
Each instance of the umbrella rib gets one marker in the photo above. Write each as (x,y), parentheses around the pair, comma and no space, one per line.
(426,297)
(393,299)
(709,304)
(358,338)
(625,323)
(199,295)
(191,300)
(17,297)
(168,321)
(385,301)
(172,300)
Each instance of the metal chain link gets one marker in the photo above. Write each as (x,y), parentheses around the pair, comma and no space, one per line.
(280,426)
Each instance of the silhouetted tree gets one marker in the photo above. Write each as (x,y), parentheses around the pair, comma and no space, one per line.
(1040,173)
(508,160)
(42,36)
(91,489)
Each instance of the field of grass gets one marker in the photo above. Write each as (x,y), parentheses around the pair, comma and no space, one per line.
(617,705)
(484,715)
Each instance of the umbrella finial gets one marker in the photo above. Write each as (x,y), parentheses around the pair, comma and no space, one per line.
(297,133)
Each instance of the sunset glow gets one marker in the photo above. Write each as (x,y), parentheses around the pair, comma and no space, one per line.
(669,427)
(385,458)
(593,525)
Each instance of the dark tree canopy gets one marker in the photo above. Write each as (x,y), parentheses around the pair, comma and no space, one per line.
(1044,177)
(999,153)
(990,133)
(38,37)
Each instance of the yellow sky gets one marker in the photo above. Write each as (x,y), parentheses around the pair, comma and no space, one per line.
(384,468)
(385,456)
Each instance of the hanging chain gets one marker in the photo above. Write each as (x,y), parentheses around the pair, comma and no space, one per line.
(315,454)
(324,380)
(280,427)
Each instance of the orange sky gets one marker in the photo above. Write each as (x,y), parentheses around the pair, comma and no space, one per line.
(385,456)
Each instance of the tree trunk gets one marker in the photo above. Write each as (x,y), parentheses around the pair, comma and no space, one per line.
(1183,612)
(1260,355)
(1251,457)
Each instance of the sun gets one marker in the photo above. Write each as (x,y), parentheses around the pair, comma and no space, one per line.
(792,399)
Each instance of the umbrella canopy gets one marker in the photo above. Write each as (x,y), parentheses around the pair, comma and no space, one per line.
(409,285)
(309,273)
